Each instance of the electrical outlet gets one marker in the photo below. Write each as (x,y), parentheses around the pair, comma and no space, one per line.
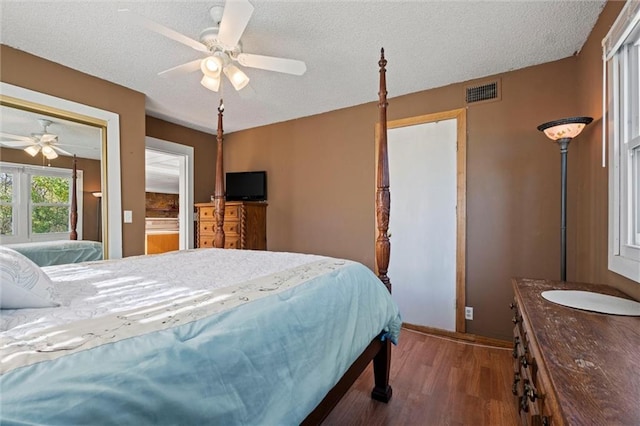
(468,312)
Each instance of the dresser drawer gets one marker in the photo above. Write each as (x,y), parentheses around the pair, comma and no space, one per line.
(231,212)
(231,228)
(206,213)
(206,242)
(207,227)
(231,243)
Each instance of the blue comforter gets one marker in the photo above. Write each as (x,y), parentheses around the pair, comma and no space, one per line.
(267,362)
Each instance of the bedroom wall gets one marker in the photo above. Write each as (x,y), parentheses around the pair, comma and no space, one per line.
(321,181)
(26,70)
(591,216)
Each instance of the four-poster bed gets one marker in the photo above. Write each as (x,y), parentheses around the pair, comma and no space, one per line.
(195,336)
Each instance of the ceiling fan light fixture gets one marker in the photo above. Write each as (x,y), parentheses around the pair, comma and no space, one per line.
(211,66)
(238,79)
(211,83)
(49,152)
(32,150)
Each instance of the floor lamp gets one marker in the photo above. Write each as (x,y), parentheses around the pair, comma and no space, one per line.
(98,195)
(562,131)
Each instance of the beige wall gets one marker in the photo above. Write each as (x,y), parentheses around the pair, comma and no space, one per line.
(25,70)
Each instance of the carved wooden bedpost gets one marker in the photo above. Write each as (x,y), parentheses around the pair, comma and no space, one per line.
(382,361)
(383,197)
(218,195)
(73,235)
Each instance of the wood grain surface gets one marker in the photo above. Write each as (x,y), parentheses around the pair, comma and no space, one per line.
(590,360)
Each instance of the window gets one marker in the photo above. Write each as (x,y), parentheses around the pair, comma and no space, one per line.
(35,203)
(622,100)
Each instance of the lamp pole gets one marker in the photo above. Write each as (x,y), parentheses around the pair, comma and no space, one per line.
(564,147)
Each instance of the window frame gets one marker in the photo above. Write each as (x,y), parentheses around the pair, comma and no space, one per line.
(23,205)
(621,101)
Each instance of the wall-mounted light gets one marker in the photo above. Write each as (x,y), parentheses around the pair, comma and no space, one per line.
(563,131)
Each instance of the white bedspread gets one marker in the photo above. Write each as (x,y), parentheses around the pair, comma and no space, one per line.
(80,287)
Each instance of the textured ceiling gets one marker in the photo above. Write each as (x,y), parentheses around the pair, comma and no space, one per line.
(427,43)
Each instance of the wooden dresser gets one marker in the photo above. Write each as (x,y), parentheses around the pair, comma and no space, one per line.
(573,367)
(245,225)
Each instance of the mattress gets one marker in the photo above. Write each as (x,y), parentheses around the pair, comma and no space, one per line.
(204,336)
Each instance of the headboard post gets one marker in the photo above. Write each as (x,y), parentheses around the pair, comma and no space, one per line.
(73,217)
(383,197)
(218,195)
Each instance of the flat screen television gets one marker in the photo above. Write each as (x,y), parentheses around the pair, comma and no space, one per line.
(246,186)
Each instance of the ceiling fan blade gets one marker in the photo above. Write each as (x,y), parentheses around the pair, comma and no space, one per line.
(289,66)
(161,29)
(182,69)
(235,18)
(47,137)
(16,137)
(16,144)
(61,151)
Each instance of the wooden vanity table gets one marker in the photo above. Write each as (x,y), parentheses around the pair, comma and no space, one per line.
(573,367)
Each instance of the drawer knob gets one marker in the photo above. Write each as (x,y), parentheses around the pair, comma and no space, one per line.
(514,319)
(516,342)
(512,305)
(530,392)
(514,387)
(523,361)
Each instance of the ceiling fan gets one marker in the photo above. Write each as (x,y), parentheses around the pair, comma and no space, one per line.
(221,45)
(43,141)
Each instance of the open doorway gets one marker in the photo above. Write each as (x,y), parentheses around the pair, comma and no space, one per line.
(169,196)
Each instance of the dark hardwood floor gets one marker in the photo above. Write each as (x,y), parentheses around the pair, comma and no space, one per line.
(435,381)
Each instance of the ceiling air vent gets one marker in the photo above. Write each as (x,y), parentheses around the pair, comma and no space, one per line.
(486,92)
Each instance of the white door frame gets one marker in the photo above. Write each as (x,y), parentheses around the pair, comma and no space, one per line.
(185,185)
(461,164)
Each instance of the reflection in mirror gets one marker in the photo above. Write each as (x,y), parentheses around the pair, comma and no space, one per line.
(39,137)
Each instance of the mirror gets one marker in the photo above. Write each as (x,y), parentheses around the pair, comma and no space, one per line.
(92,134)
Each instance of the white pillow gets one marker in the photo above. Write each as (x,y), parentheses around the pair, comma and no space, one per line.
(22,282)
